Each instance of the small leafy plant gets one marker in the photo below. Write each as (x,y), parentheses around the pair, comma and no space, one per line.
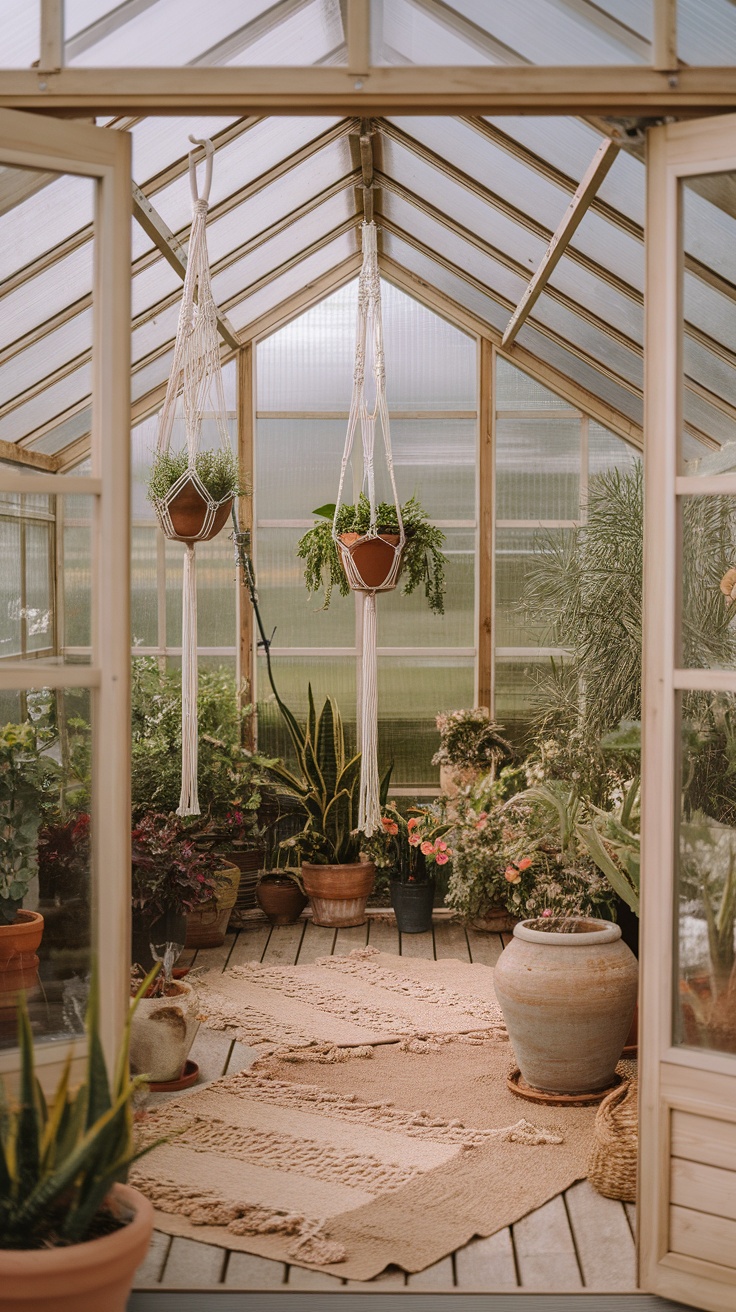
(58,1161)
(472,740)
(170,874)
(424,563)
(218,471)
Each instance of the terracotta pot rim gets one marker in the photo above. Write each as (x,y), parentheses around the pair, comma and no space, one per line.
(43,1264)
(336,865)
(182,989)
(605,931)
(349,539)
(25,922)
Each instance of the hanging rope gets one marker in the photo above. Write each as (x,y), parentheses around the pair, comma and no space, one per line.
(369,357)
(188,513)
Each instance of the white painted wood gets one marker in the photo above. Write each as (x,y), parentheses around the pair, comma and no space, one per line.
(216,958)
(191,1265)
(438,1276)
(301,1277)
(450,941)
(211,1050)
(630,1209)
(545,1252)
(605,1248)
(247,1271)
(150,1269)
(487,1264)
(241,1058)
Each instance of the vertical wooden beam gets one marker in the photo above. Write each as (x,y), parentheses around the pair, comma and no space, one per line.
(51,53)
(664,36)
(486,523)
(245,663)
(358,36)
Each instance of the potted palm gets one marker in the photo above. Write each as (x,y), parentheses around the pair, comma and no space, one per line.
(72,1232)
(423,562)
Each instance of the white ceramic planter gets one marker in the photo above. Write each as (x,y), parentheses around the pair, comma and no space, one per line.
(162,1032)
(567,1000)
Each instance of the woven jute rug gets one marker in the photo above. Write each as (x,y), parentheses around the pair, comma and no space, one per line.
(364,998)
(399,1156)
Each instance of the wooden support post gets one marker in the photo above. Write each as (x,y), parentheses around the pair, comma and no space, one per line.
(366,164)
(664,40)
(245,665)
(51,52)
(576,211)
(358,36)
(486,526)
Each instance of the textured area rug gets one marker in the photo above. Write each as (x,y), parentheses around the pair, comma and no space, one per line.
(364,998)
(288,1161)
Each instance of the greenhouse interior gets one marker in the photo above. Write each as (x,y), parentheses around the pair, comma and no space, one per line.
(367,652)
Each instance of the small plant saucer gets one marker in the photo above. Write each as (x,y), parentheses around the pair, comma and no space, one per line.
(188,1077)
(518,1085)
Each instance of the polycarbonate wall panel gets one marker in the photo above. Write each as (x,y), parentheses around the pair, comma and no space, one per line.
(34,302)
(517,550)
(20,28)
(298,619)
(537,468)
(445,280)
(706,32)
(282,288)
(41,222)
(516,390)
(580,371)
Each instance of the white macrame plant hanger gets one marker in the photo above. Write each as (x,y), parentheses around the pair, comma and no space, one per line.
(196,383)
(369,354)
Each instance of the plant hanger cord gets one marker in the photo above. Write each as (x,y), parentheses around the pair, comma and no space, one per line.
(369,351)
(196,382)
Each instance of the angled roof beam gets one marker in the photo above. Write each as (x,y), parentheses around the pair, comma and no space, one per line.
(34,459)
(174,254)
(561,238)
(664,43)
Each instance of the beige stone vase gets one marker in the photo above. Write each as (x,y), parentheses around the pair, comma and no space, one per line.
(567,998)
(162,1031)
(95,1276)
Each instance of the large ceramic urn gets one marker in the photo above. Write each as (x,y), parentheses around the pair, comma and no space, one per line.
(567,994)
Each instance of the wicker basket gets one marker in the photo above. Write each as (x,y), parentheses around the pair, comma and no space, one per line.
(612,1163)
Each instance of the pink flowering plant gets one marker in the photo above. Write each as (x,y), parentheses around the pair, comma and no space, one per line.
(408,848)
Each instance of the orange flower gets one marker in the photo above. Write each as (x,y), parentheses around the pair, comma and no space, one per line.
(511,875)
(390,825)
(412,824)
(524,864)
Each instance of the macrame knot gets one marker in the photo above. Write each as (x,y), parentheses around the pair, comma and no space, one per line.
(200,207)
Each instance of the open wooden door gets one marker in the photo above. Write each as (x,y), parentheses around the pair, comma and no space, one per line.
(65,219)
(687,1186)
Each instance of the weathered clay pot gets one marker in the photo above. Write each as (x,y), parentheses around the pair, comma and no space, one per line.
(207,926)
(18,960)
(497,920)
(339,893)
(187,512)
(568,1000)
(373,558)
(162,1032)
(280,898)
(83,1277)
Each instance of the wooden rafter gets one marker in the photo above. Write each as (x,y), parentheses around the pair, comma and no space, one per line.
(358,36)
(52,36)
(664,42)
(366,165)
(561,238)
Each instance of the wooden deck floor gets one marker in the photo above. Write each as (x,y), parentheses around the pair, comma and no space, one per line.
(577,1240)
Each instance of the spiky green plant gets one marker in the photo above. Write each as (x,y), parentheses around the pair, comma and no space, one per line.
(612,839)
(59,1160)
(218,471)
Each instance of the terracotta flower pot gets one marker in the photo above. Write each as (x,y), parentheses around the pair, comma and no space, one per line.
(188,511)
(373,558)
(162,1032)
(496,920)
(568,1000)
(280,899)
(339,893)
(88,1277)
(207,926)
(18,960)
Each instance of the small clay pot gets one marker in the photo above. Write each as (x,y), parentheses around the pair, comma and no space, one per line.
(339,893)
(18,957)
(188,511)
(373,558)
(84,1277)
(496,920)
(162,1032)
(280,899)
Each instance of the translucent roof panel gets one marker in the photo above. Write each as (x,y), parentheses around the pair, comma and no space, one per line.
(287,284)
(35,302)
(43,221)
(706,32)
(20,26)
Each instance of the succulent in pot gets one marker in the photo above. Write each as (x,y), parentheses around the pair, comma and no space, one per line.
(171,878)
(72,1232)
(423,562)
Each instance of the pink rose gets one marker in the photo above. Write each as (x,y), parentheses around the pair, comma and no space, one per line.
(414,840)
(524,864)
(546,912)
(442,858)
(427,848)
(481,825)
(511,875)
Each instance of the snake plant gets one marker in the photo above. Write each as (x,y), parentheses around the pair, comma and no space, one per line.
(59,1159)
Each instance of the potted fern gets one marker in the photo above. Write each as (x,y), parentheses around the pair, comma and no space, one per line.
(72,1232)
(214,486)
(423,562)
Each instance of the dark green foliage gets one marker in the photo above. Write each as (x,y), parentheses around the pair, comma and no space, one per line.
(218,471)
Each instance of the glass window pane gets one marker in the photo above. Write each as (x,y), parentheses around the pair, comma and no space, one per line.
(516,390)
(538,468)
(10,588)
(517,550)
(143,587)
(412,690)
(38,609)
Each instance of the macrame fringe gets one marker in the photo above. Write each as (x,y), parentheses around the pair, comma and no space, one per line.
(369,809)
(189,800)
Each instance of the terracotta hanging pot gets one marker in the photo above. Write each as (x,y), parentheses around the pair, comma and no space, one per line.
(188,513)
(372,558)
(18,960)
(339,893)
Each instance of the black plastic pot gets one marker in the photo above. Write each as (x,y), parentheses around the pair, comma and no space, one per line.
(413,903)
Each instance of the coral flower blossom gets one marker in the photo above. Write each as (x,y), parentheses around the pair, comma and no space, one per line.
(442,858)
(426,848)
(389,825)
(524,864)
(481,825)
(412,824)
(511,875)
(414,840)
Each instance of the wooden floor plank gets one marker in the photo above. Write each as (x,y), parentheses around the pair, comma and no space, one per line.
(191,1265)
(318,941)
(150,1269)
(450,940)
(545,1252)
(392,1278)
(283,945)
(605,1248)
(356,936)
(485,1265)
(630,1209)
(250,945)
(418,945)
(211,1050)
(484,948)
(438,1276)
(246,1271)
(216,958)
(301,1277)
(241,1057)
(384,935)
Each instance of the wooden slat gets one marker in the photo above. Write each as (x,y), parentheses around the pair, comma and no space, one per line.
(246,1271)
(450,941)
(300,1277)
(696,1234)
(317,941)
(211,1050)
(384,935)
(664,35)
(250,946)
(545,1251)
(418,945)
(241,1057)
(150,1269)
(605,1248)
(391,1278)
(438,1276)
(283,945)
(191,1265)
(704,1139)
(704,1188)
(487,1264)
(485,948)
(216,958)
(347,939)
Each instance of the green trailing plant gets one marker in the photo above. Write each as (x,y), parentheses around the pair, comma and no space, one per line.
(29,787)
(612,840)
(218,470)
(325,784)
(423,566)
(59,1160)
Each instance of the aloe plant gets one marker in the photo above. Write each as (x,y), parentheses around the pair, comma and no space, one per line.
(59,1160)
(326,785)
